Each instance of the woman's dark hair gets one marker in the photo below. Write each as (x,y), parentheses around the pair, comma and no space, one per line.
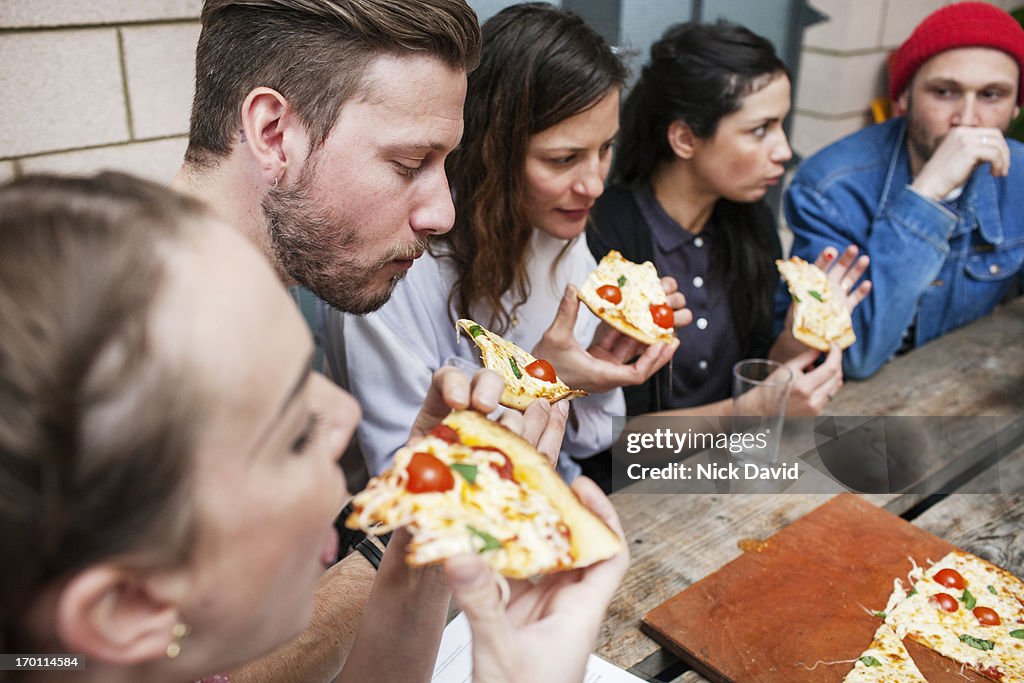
(540,65)
(96,427)
(697,74)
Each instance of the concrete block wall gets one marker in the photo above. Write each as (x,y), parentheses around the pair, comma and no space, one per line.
(104,84)
(843,65)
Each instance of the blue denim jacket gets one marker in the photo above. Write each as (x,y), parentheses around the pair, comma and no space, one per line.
(939,265)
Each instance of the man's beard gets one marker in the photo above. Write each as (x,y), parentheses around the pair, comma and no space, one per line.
(917,134)
(314,249)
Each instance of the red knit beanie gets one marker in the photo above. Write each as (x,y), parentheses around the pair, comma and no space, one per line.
(964,24)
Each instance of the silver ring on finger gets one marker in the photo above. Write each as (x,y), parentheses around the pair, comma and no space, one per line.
(984,139)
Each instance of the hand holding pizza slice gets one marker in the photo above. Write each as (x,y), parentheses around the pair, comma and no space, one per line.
(472,486)
(526,378)
(629,297)
(819,318)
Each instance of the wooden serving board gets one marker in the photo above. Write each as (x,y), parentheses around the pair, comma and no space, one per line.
(799,598)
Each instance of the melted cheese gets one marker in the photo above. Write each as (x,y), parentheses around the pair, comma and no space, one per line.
(885,661)
(528,527)
(640,289)
(918,616)
(823,315)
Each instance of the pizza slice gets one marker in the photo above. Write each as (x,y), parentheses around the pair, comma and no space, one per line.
(885,661)
(629,297)
(526,378)
(969,610)
(473,486)
(819,319)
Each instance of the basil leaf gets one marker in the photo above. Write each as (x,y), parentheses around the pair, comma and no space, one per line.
(880,614)
(468,472)
(816,295)
(515,368)
(913,591)
(1019,633)
(992,590)
(796,298)
(977,643)
(870,661)
(622,281)
(490,542)
(968,599)
(476,330)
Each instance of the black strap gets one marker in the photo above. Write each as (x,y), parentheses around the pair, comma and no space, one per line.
(370,551)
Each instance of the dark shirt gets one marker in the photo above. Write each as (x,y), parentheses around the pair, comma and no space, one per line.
(708,347)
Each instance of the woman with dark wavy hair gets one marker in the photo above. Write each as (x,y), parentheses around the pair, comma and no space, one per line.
(540,120)
(701,144)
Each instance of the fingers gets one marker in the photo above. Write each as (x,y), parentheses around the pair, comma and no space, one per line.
(669,284)
(594,499)
(802,360)
(476,592)
(450,389)
(513,420)
(826,257)
(550,440)
(535,420)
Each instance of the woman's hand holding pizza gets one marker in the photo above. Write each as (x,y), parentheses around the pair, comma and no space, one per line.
(605,364)
(547,630)
(812,387)
(844,273)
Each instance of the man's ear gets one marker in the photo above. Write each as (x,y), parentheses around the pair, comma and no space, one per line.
(115,616)
(681,139)
(902,104)
(273,133)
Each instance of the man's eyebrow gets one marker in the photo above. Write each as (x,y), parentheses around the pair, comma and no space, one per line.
(415,146)
(307,370)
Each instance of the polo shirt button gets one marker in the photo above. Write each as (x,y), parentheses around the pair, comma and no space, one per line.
(702,323)
(703,365)
(698,282)
(994,269)
(698,242)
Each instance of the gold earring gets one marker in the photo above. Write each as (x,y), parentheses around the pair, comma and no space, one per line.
(179,631)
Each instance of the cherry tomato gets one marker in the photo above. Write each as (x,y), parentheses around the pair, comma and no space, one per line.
(610,293)
(542,370)
(946,602)
(950,578)
(987,616)
(427,474)
(445,433)
(663,315)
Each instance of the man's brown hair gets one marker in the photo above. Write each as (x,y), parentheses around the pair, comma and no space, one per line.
(313,52)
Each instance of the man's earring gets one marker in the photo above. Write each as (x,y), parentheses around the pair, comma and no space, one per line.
(179,631)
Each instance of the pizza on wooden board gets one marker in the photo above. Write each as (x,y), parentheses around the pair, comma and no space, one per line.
(473,486)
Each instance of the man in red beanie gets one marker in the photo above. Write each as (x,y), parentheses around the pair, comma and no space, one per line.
(935,197)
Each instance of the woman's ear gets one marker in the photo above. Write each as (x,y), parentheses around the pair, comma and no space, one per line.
(275,137)
(681,139)
(115,616)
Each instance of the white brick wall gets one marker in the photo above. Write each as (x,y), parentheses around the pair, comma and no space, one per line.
(46,13)
(157,160)
(97,84)
(64,91)
(160,75)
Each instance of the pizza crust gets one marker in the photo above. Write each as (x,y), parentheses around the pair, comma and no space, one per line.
(641,289)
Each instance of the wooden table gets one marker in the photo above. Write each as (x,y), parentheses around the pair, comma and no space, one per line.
(677,539)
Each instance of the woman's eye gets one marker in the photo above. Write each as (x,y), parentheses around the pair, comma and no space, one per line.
(760,131)
(563,161)
(308,434)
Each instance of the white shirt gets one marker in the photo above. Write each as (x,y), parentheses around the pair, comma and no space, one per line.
(390,355)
